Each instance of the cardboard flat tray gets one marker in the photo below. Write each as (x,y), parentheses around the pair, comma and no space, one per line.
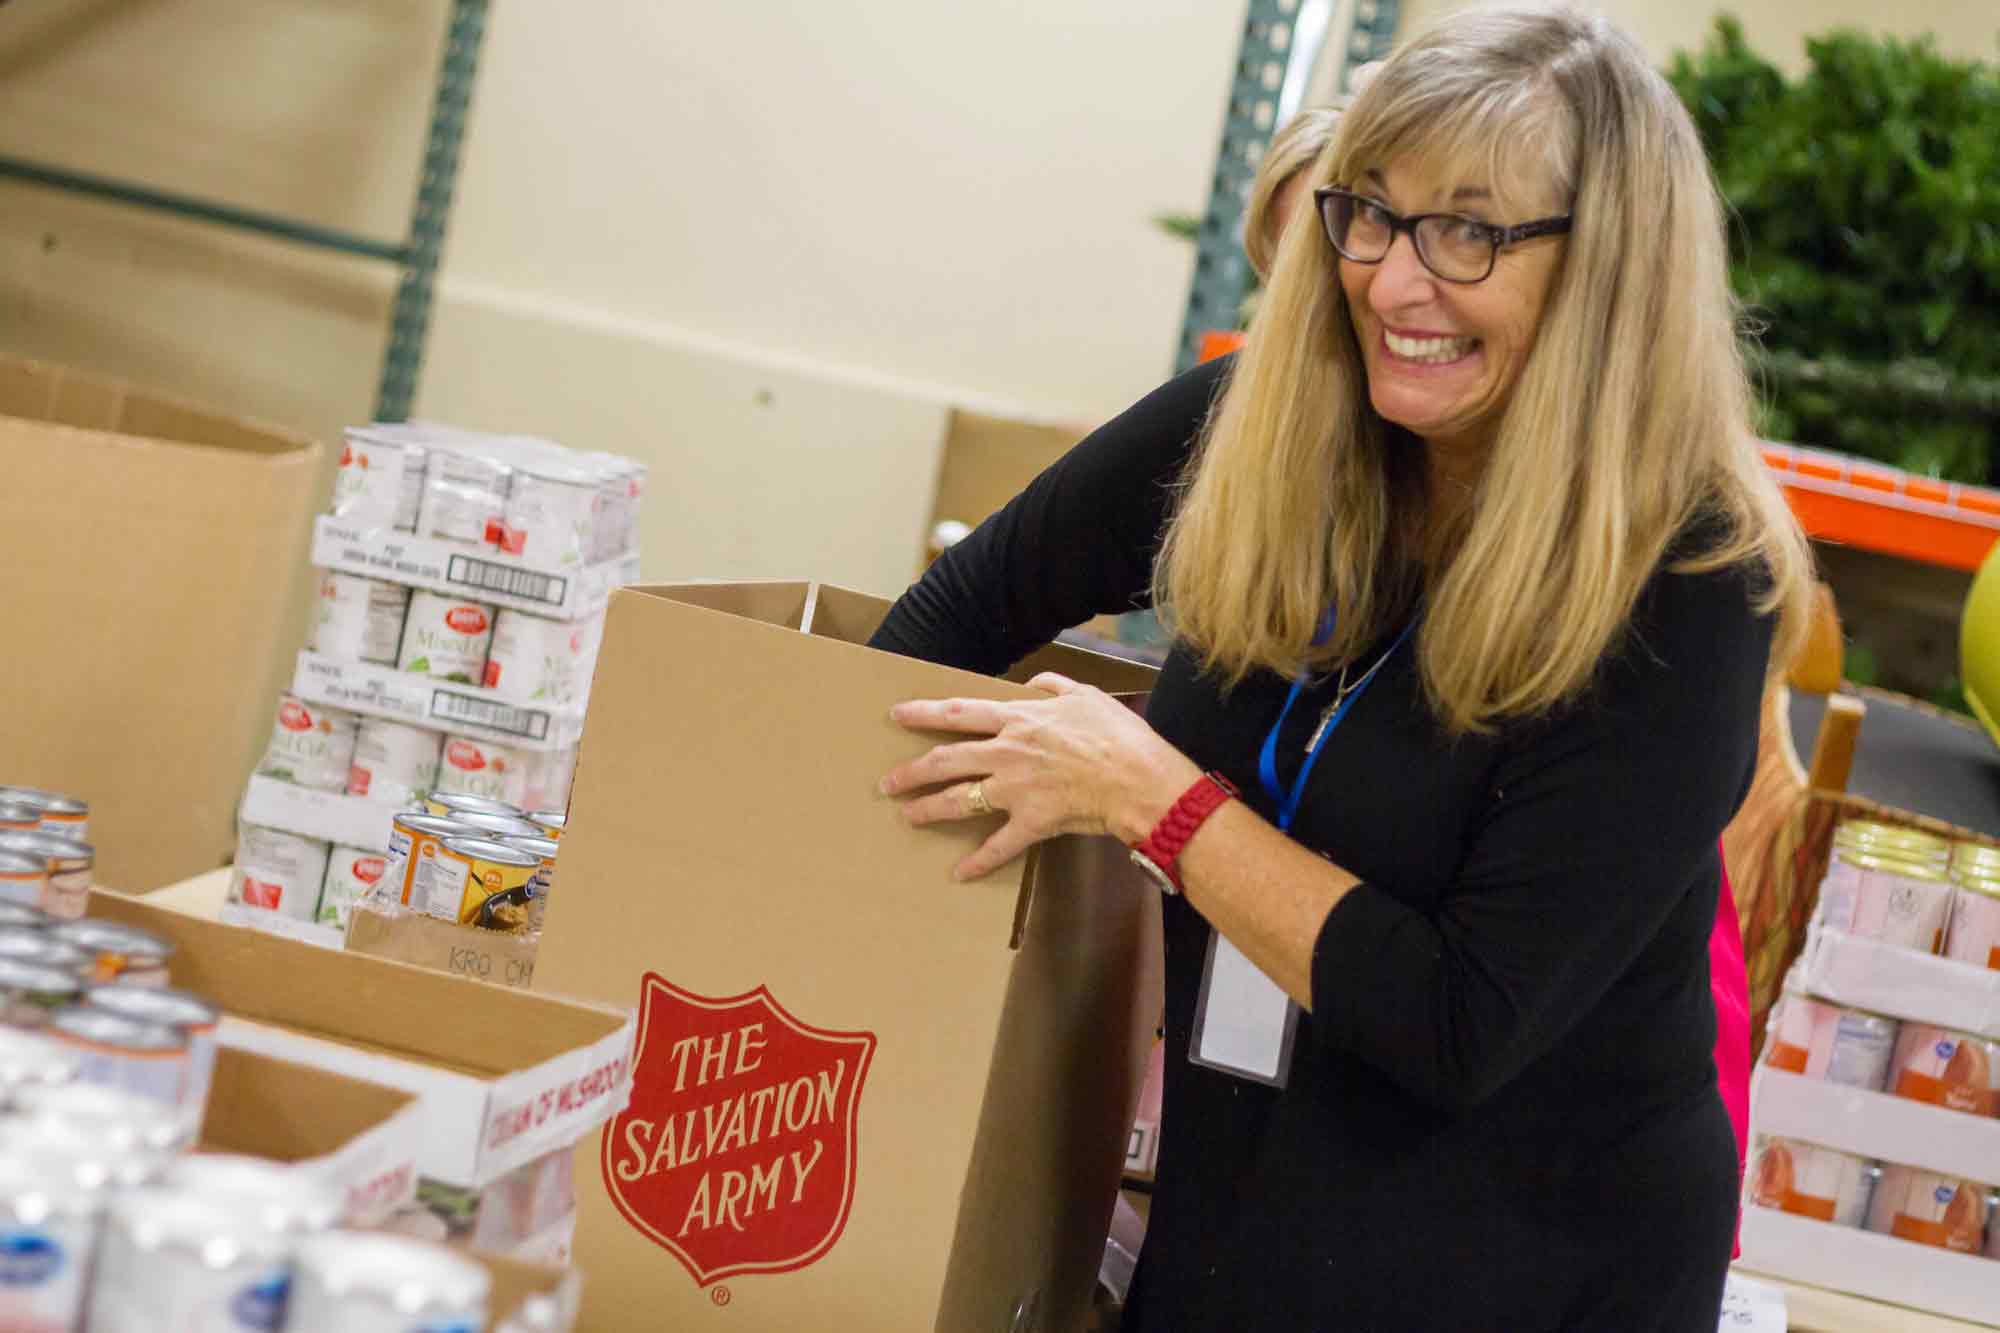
(1878,1125)
(352,821)
(403,696)
(1881,1268)
(1867,974)
(443,946)
(478,572)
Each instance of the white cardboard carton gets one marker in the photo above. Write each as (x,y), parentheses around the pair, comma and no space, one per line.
(1878,1125)
(403,696)
(1882,1268)
(1865,973)
(478,572)
(351,821)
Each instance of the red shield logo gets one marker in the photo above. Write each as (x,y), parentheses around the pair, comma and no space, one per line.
(737,1151)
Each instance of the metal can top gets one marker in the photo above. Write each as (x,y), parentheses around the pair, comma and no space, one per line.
(456,801)
(1915,842)
(497,826)
(19,977)
(1885,860)
(545,848)
(214,1233)
(53,802)
(62,850)
(153,1004)
(443,826)
(19,813)
(30,945)
(103,937)
(24,916)
(486,849)
(101,1027)
(23,863)
(281,1198)
(414,1277)
(119,1118)
(27,1061)
(1975,854)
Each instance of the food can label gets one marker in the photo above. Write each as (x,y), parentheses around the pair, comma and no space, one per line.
(43,1268)
(496,896)
(446,638)
(482,768)
(437,881)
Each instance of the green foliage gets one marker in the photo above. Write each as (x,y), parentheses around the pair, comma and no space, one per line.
(1866,237)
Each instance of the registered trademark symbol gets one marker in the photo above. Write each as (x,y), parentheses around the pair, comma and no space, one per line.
(720,1296)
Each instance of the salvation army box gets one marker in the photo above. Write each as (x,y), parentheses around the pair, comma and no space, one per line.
(864,1096)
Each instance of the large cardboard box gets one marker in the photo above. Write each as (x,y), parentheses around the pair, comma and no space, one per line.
(865,1096)
(151,550)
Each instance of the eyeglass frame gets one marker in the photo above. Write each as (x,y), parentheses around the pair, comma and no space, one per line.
(1399,225)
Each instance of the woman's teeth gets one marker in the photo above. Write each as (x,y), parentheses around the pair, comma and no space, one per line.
(1434,351)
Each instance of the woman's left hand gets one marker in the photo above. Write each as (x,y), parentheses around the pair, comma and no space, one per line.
(1076,762)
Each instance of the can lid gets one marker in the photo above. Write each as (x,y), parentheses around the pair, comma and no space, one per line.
(1855,832)
(504,826)
(23,863)
(1974,854)
(27,1060)
(459,800)
(153,1004)
(17,812)
(121,1119)
(30,945)
(52,801)
(442,825)
(550,818)
(18,974)
(487,849)
(410,1276)
(545,848)
(39,1186)
(105,1028)
(281,1198)
(24,916)
(215,1233)
(58,847)
(111,937)
(1886,860)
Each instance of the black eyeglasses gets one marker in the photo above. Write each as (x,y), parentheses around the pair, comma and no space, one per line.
(1455,247)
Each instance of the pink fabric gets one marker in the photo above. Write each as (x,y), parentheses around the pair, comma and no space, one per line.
(1732,1019)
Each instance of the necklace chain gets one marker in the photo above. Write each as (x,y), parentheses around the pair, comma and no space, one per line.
(1340,693)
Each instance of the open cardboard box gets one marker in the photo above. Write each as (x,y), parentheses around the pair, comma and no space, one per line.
(146,543)
(1881,978)
(1878,1125)
(1863,1263)
(865,1096)
(443,946)
(503,1078)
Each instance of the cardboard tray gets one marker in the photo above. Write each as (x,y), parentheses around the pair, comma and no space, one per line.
(503,1077)
(1867,974)
(353,821)
(477,572)
(443,946)
(403,696)
(1876,1124)
(1882,1268)
(280,925)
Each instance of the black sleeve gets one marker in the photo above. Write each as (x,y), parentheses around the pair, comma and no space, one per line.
(1599,822)
(1078,542)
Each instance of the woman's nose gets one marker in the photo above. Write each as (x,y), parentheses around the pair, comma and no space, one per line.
(1401,280)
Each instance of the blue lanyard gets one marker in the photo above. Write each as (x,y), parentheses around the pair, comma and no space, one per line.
(1267,761)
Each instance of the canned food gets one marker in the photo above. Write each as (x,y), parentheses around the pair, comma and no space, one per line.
(48,1241)
(452,804)
(29,1061)
(29,945)
(279,871)
(23,916)
(1974,934)
(174,1260)
(393,761)
(30,994)
(1823,1041)
(124,954)
(1947,1069)
(356,1282)
(24,878)
(70,865)
(358,619)
(1930,1208)
(193,1015)
(55,812)
(553,822)
(150,1059)
(351,874)
(493,892)
(544,881)
(409,834)
(18,818)
(100,1154)
(484,768)
(1811,1181)
(550,773)
(1899,902)
(551,514)
(311,745)
(498,826)
(122,1120)
(536,659)
(283,1199)
(380,483)
(464,495)
(1909,844)
(446,638)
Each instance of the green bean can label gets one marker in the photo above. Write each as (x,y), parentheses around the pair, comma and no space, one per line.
(737,1151)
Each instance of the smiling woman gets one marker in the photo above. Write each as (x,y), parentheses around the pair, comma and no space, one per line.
(1475,576)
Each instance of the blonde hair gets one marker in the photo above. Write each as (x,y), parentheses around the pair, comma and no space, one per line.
(1630,420)
(1293,148)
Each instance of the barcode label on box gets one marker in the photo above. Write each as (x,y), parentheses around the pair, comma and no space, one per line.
(486,576)
(448,706)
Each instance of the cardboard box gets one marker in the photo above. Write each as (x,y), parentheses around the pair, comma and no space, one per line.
(1864,973)
(360,1137)
(151,550)
(352,821)
(502,1077)
(1877,1125)
(443,946)
(481,573)
(865,1096)
(280,924)
(1882,1268)
(404,696)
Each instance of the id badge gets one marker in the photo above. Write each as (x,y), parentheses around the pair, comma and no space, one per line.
(1243,1023)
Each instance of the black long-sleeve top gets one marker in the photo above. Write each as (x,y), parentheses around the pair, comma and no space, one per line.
(1501,1110)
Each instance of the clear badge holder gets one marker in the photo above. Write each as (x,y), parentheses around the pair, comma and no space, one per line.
(1244,1025)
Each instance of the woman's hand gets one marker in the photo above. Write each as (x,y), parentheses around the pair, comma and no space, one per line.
(1076,762)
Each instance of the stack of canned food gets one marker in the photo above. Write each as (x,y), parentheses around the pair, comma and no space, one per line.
(46,857)
(1906,1202)
(472,861)
(1914,890)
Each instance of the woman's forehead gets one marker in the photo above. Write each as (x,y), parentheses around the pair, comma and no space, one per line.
(1491,177)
